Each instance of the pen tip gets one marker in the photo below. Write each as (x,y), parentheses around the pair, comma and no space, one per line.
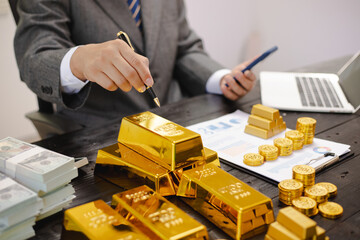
(156,100)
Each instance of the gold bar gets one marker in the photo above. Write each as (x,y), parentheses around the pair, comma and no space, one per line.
(164,142)
(226,201)
(261,122)
(277,231)
(211,157)
(97,220)
(258,132)
(265,112)
(296,222)
(320,233)
(128,169)
(156,216)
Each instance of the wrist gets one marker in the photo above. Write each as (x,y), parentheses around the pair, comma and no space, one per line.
(76,63)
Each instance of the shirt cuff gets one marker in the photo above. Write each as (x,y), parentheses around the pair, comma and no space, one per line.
(213,83)
(69,83)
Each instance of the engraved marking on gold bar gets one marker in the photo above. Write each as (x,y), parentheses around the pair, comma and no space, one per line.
(157,216)
(296,222)
(161,140)
(97,220)
(133,170)
(265,112)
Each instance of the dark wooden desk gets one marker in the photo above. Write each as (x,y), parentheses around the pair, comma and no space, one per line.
(343,128)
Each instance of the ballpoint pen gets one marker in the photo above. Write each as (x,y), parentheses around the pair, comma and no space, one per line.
(253,63)
(123,36)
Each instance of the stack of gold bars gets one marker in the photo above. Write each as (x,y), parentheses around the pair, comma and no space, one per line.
(291,224)
(264,122)
(315,197)
(154,158)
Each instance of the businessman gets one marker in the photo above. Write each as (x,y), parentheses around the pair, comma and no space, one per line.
(67,54)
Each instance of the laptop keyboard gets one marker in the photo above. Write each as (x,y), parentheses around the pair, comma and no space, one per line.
(316,92)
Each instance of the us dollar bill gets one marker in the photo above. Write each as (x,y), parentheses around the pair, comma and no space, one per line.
(10,147)
(45,161)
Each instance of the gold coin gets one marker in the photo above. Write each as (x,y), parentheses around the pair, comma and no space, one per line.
(283,142)
(317,191)
(253,159)
(303,169)
(330,210)
(268,149)
(332,189)
(294,134)
(290,185)
(306,121)
(304,203)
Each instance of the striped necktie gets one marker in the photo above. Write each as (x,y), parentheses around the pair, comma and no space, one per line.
(134,7)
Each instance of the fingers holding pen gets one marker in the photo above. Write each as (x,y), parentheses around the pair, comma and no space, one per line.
(112,65)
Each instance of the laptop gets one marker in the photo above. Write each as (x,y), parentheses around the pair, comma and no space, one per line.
(314,92)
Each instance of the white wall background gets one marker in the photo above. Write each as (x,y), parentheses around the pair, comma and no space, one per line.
(306,32)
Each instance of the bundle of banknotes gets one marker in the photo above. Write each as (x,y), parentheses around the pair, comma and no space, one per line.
(155,157)
(43,173)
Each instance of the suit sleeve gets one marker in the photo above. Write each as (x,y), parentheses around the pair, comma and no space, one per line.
(193,66)
(42,39)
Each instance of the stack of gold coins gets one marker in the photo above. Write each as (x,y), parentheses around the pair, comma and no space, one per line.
(297,138)
(304,174)
(253,159)
(306,206)
(289,190)
(269,152)
(330,210)
(318,193)
(306,125)
(284,145)
(332,189)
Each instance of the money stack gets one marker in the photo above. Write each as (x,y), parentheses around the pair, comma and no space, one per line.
(296,137)
(306,125)
(289,190)
(264,122)
(18,208)
(306,205)
(45,172)
(158,153)
(291,224)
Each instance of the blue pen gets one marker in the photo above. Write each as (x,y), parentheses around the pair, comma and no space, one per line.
(253,63)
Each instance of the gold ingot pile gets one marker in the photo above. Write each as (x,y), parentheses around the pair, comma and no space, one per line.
(296,137)
(158,153)
(233,206)
(264,122)
(291,224)
(163,151)
(306,125)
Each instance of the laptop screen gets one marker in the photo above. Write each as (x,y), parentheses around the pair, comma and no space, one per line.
(349,76)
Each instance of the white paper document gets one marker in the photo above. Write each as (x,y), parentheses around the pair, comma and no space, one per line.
(226,136)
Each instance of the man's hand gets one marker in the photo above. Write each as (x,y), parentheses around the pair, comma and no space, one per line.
(231,89)
(112,65)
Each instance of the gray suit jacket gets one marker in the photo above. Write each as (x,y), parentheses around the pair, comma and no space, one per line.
(49,28)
